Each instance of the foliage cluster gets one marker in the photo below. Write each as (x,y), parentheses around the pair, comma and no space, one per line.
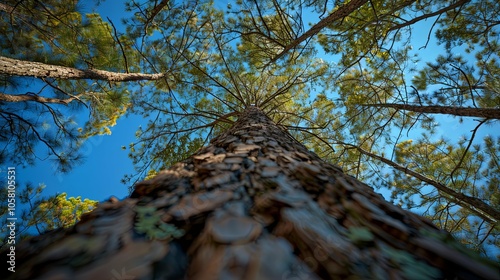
(36,213)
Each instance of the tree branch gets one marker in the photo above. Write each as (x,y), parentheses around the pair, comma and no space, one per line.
(425,16)
(473,204)
(32,97)
(487,113)
(340,13)
(15,67)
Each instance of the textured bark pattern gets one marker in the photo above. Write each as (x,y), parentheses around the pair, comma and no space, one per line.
(255,204)
(15,67)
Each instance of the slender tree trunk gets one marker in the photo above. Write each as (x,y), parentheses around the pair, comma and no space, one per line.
(255,204)
(15,67)
(487,113)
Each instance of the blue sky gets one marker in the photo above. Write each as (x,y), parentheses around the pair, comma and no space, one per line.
(105,164)
(99,176)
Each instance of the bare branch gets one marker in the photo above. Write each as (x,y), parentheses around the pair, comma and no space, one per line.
(487,113)
(120,44)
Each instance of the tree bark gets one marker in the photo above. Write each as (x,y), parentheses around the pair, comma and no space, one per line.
(33,97)
(254,204)
(487,113)
(15,67)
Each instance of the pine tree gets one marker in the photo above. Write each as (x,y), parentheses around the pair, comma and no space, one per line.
(216,69)
(254,204)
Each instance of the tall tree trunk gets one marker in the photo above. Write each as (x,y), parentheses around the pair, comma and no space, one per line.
(487,113)
(255,204)
(15,67)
